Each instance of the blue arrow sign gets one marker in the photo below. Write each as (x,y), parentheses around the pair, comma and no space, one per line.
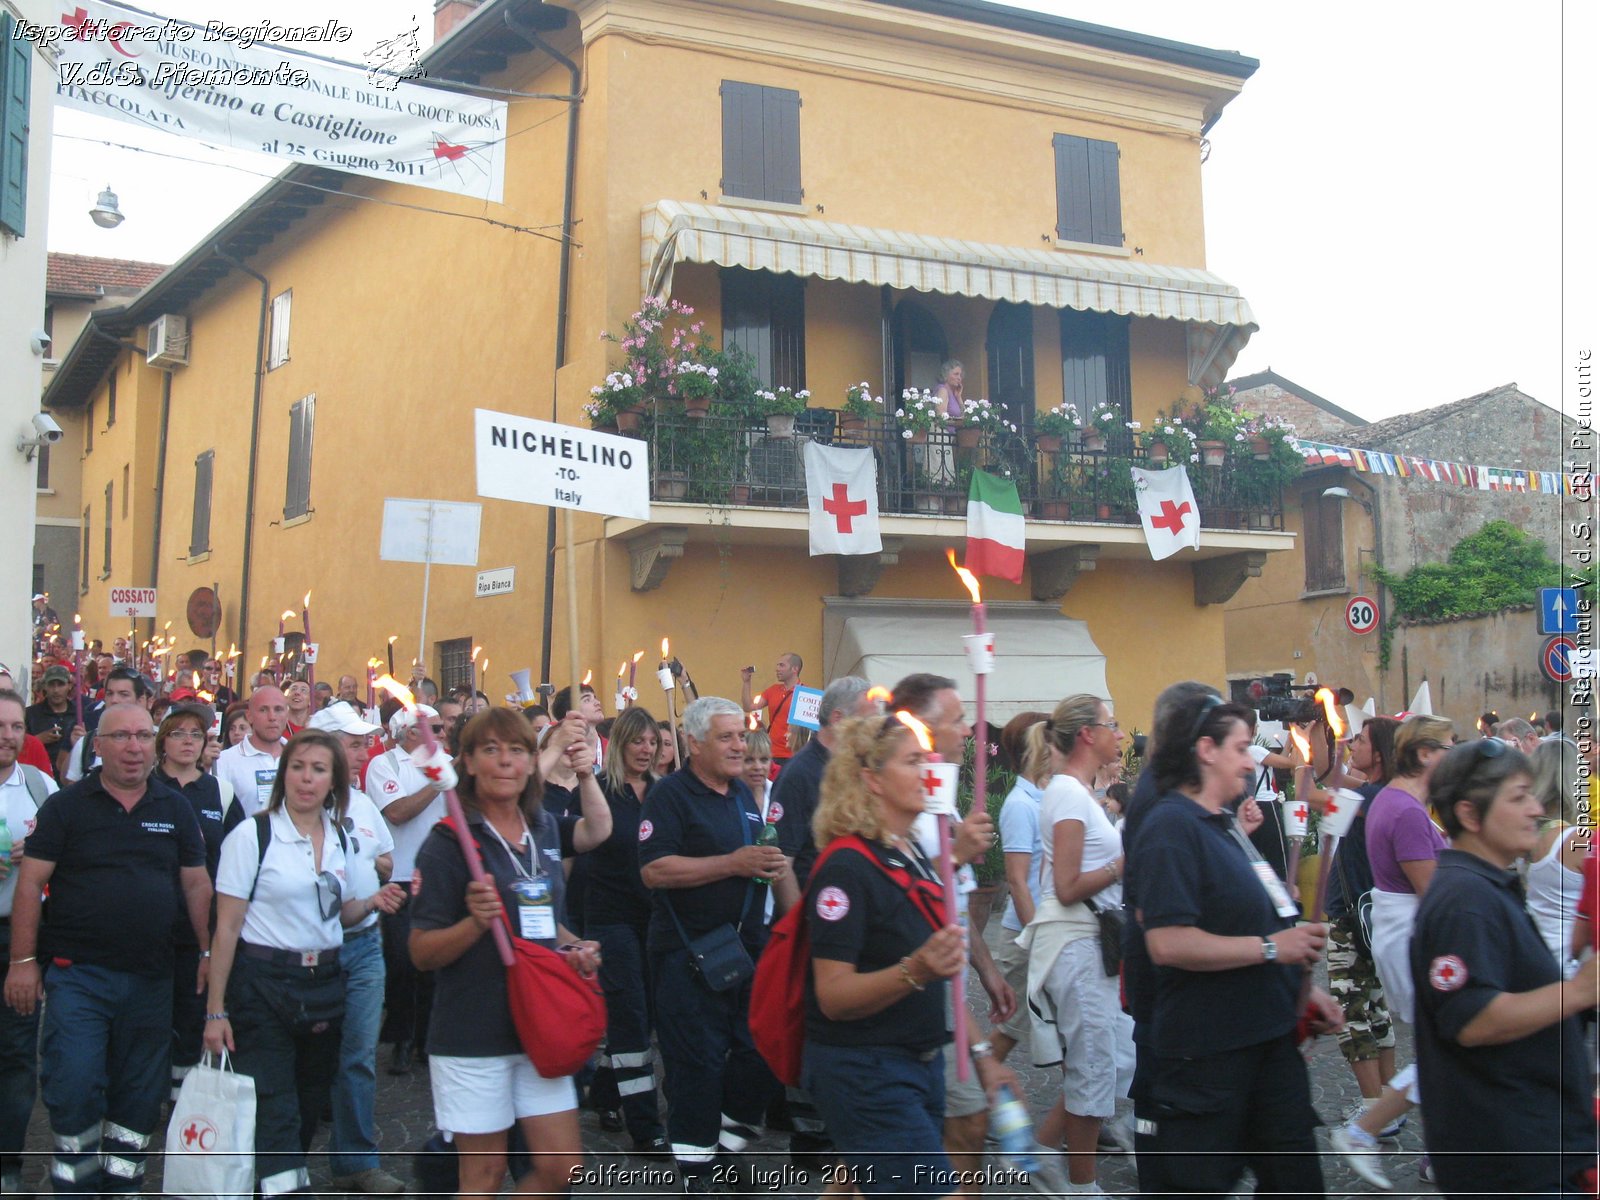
(1558,610)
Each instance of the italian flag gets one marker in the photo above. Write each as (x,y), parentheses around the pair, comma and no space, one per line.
(995,528)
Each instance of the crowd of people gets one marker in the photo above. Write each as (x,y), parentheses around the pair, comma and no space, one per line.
(274,877)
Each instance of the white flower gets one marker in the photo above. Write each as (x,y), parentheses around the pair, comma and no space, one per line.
(906,433)
(1194,458)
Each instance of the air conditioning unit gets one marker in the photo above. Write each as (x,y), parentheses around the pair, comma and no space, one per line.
(167,341)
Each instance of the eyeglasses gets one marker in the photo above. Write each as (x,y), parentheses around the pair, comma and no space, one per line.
(330,895)
(435,728)
(1111,725)
(348,824)
(123,736)
(186,735)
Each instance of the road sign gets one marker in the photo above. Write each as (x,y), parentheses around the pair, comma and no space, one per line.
(1555,660)
(133,602)
(1558,610)
(499,582)
(1361,614)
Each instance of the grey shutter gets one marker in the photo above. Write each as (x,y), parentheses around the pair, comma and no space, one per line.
(16,66)
(1105,193)
(780,121)
(743,166)
(105,566)
(200,528)
(1074,216)
(297,497)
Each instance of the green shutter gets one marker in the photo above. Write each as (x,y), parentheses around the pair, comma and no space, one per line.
(16,65)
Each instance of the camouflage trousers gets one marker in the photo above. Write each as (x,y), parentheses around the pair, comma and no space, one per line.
(1353,983)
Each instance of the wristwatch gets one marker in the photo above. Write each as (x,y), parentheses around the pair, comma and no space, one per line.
(1269,950)
(980,1050)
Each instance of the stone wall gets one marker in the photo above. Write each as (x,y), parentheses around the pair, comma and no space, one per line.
(1473,665)
(1309,420)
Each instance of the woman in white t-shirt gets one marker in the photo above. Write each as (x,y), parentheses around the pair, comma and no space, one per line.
(1081,866)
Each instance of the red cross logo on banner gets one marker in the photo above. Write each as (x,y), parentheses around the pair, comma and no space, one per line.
(1447,973)
(844,510)
(1171,518)
(832,904)
(444,149)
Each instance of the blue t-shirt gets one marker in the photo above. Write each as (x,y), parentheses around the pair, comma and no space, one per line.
(1019,834)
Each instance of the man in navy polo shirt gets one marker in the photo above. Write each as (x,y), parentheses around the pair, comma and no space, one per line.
(697,834)
(121,855)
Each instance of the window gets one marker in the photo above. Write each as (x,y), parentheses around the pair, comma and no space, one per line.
(42,478)
(1094,360)
(83,558)
(761,143)
(455,664)
(297,497)
(105,565)
(1324,541)
(16,66)
(1088,191)
(765,316)
(88,428)
(111,397)
(278,344)
(200,526)
(125,490)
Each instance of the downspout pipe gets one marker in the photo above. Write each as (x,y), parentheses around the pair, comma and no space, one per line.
(255,448)
(161,482)
(531,36)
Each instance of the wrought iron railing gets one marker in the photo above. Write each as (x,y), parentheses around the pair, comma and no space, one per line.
(742,461)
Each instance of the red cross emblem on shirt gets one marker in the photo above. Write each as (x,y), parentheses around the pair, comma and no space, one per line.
(843,509)
(1447,973)
(832,904)
(1171,518)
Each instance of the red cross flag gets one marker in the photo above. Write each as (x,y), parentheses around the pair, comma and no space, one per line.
(842,492)
(1168,511)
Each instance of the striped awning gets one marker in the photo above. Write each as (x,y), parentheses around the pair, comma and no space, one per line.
(1219,317)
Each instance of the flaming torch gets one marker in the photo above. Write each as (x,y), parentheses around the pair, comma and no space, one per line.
(77,664)
(472,679)
(980,657)
(309,655)
(669,686)
(938,798)
(622,688)
(632,667)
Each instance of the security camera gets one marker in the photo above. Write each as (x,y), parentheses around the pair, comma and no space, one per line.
(47,429)
(40,341)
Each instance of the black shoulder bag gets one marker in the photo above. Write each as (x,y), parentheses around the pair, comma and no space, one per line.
(719,956)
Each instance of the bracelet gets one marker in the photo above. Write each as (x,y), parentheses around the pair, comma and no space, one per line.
(911,980)
(205,954)
(17,962)
(221,1016)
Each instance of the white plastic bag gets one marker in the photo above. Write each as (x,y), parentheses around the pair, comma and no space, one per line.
(211,1138)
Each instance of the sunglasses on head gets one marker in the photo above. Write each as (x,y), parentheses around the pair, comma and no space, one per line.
(1211,700)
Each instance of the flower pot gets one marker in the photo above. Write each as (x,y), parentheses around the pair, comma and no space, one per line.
(1050,443)
(780,425)
(696,406)
(925,503)
(1103,512)
(1094,441)
(1261,448)
(968,437)
(1159,453)
(1212,454)
(607,427)
(1055,510)
(740,494)
(852,425)
(672,485)
(919,437)
(628,420)
(954,505)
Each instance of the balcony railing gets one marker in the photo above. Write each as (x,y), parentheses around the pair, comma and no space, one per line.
(739,461)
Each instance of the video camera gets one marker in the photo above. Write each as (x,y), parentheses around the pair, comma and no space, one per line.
(1279,698)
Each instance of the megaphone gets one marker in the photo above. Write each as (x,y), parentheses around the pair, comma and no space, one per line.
(523,680)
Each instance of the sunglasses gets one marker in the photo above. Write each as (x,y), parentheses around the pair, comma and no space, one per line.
(1487,748)
(330,895)
(1210,701)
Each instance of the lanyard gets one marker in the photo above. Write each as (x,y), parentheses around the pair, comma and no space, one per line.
(516,861)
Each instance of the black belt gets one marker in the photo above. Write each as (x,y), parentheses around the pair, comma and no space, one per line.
(290,958)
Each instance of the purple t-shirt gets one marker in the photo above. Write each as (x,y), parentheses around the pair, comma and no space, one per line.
(1398,830)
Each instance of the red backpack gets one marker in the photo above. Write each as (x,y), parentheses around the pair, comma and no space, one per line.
(778,994)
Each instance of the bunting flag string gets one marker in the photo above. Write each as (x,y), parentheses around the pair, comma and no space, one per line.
(1410,466)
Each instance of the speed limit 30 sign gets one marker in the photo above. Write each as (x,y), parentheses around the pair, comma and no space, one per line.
(1361,614)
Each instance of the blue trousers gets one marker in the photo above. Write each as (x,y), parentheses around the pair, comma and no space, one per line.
(354,1143)
(103,1063)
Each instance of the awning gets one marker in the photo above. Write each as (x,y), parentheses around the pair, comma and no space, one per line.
(1219,318)
(1041,657)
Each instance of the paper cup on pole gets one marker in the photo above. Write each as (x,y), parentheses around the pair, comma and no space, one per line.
(1296,814)
(1340,814)
(939,788)
(77,639)
(308,654)
(664,677)
(277,645)
(980,652)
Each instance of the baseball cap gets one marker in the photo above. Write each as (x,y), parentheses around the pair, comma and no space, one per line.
(340,717)
(39,596)
(403,720)
(57,673)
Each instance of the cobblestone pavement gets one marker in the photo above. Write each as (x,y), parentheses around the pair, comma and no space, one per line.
(405,1122)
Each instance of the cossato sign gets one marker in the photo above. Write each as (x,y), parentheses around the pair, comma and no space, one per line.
(133,602)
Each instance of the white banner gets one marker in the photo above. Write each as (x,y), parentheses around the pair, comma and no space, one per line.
(226,85)
(133,602)
(439,531)
(564,466)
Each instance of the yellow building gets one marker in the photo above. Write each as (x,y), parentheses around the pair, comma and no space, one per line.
(849,192)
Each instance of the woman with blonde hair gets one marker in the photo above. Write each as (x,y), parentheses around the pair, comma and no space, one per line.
(1555,865)
(881,958)
(1019,841)
(1070,990)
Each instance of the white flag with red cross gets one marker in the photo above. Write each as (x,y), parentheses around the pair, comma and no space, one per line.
(1167,509)
(842,492)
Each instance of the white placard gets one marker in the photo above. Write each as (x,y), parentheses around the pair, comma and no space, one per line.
(77,640)
(451,539)
(805,709)
(1340,814)
(222,83)
(541,462)
(980,652)
(939,788)
(502,581)
(133,602)
(1296,815)
(278,645)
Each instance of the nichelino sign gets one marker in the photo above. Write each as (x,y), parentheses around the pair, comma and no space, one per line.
(541,462)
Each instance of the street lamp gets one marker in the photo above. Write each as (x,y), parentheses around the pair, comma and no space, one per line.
(105,213)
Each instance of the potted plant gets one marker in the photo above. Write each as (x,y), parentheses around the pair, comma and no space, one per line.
(781,407)
(1114,489)
(1258,479)
(919,415)
(1102,419)
(1221,425)
(1052,428)
(980,420)
(1169,438)
(616,404)
(860,407)
(695,383)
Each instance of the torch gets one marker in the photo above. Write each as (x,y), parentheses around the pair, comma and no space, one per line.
(632,667)
(77,664)
(939,799)
(310,652)
(664,677)
(879,695)
(980,656)
(281,643)
(393,638)
(622,691)
(472,679)
(435,764)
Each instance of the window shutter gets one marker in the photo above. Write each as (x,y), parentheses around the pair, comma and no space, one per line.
(200,528)
(16,66)
(278,344)
(742,159)
(780,126)
(1105,192)
(105,566)
(83,563)
(1074,219)
(297,496)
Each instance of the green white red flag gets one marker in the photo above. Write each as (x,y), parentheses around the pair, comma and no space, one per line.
(995,528)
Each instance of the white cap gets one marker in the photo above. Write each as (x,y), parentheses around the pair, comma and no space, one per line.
(340,717)
(400,724)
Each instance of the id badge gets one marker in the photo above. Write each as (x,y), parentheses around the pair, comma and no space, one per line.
(536,912)
(264,786)
(1276,892)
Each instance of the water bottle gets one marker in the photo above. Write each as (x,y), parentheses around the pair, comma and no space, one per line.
(1012,1127)
(767,837)
(5,842)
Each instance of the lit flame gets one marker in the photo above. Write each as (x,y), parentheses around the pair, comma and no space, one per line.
(233,650)
(918,730)
(306,603)
(587,676)
(77,618)
(1330,705)
(476,650)
(755,722)
(208,697)
(196,677)
(1533,716)
(967,577)
(168,625)
(623,669)
(638,654)
(666,652)
(485,665)
(399,691)
(1301,745)
(288,614)
(879,695)
(393,638)
(263,662)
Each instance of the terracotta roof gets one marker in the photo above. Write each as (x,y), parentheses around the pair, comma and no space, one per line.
(1377,435)
(85,275)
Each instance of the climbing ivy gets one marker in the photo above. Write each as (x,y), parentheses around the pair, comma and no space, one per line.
(1496,568)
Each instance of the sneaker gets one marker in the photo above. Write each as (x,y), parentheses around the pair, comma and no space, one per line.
(1359,1149)
(1393,1128)
(1358,1110)
(374,1181)
(1425,1169)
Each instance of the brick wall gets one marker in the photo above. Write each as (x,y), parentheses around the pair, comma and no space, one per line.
(1308,419)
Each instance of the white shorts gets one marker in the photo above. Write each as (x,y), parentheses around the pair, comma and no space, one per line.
(1096,1035)
(486,1095)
